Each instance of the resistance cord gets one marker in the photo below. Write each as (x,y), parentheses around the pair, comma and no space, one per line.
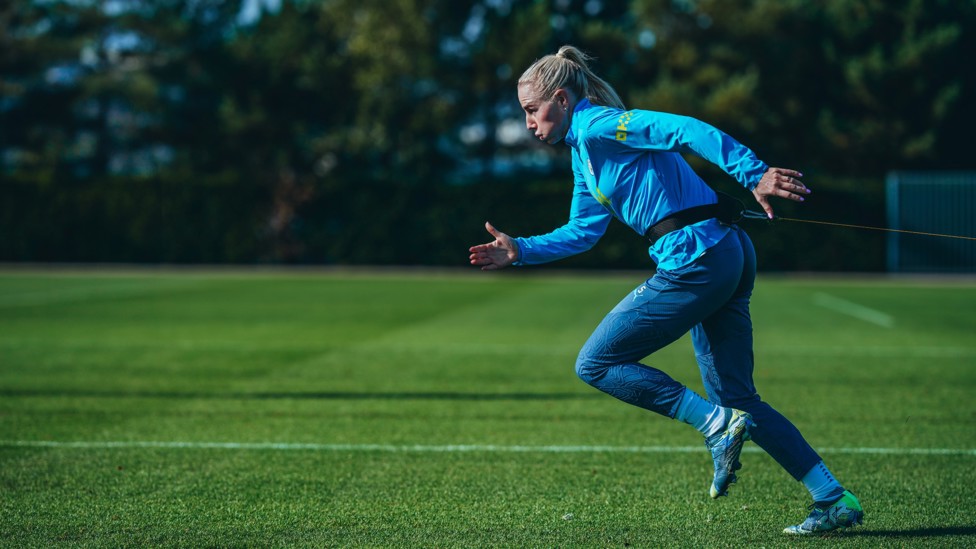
(750,214)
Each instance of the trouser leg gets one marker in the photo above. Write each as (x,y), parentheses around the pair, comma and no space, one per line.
(723,348)
(657,313)
(610,359)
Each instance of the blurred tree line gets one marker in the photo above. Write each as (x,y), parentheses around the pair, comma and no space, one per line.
(387,132)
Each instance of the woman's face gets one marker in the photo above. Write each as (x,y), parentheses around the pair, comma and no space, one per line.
(548,120)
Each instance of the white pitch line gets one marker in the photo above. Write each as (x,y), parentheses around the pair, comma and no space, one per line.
(447,448)
(850,308)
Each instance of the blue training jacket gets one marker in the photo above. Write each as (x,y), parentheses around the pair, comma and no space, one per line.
(628,165)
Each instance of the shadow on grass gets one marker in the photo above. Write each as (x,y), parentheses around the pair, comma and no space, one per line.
(922,532)
(301,395)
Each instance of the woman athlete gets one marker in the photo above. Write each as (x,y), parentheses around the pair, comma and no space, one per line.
(627,164)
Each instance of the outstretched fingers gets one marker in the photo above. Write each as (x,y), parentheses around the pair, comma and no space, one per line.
(493,255)
(787,184)
(480,255)
(782,183)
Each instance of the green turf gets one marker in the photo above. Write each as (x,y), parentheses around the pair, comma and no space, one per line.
(417,363)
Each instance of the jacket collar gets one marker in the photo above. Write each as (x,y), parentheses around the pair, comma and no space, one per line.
(572,136)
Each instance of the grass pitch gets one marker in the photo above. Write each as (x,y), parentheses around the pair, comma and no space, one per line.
(441,410)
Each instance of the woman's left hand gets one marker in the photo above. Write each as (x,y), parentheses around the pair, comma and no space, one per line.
(782,183)
(500,253)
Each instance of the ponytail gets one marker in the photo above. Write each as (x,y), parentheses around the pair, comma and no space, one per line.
(568,69)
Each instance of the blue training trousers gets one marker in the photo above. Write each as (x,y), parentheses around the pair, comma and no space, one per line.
(709,297)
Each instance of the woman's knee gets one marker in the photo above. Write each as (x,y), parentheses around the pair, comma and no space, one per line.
(588,369)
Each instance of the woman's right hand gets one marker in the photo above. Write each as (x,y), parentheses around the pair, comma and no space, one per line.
(498,254)
(782,183)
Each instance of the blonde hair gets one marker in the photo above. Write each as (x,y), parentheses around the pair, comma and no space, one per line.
(568,69)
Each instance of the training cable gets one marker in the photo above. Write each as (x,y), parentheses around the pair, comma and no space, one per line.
(752,214)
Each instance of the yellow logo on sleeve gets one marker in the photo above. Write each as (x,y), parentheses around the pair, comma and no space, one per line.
(622,125)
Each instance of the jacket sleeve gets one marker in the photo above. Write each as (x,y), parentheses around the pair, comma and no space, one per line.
(588,222)
(657,131)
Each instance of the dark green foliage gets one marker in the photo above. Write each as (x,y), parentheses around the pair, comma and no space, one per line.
(331,132)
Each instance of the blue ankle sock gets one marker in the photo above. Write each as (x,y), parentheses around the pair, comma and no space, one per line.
(822,485)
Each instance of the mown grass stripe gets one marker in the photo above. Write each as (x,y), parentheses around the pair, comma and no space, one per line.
(446,448)
(855,310)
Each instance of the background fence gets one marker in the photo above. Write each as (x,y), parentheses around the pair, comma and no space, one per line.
(932,202)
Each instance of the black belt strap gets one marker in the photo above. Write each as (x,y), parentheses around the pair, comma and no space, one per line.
(727,210)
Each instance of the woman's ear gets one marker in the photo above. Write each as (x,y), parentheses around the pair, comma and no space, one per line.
(560,98)
(563,98)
